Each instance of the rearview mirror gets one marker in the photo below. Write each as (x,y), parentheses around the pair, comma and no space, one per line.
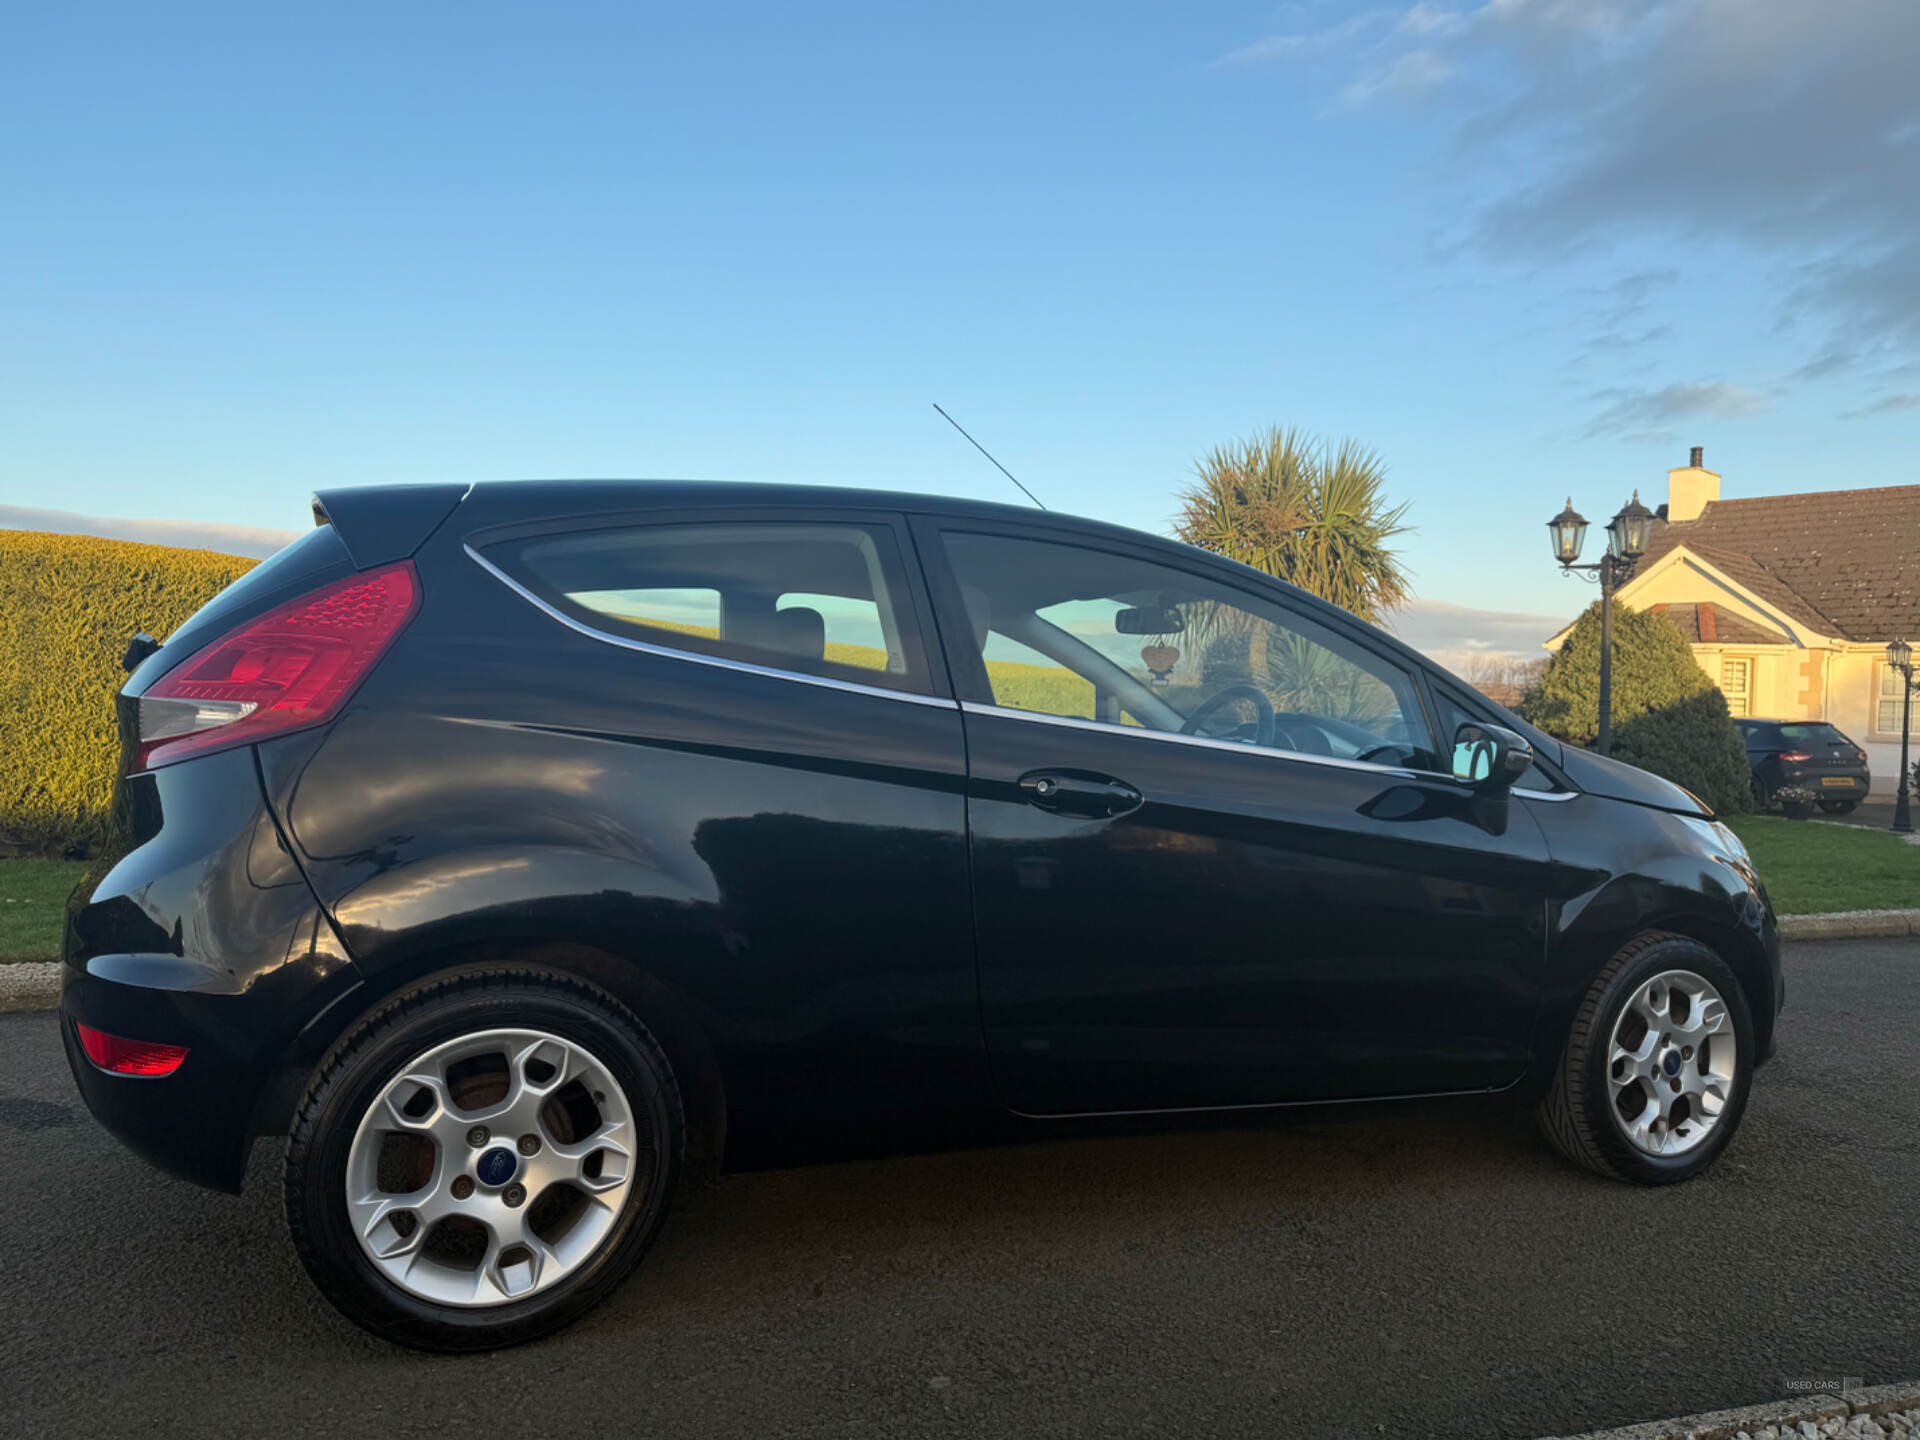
(1489,757)
(1149,620)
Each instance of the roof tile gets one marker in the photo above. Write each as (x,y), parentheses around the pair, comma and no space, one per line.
(1844,562)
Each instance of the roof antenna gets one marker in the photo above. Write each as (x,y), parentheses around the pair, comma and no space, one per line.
(983,450)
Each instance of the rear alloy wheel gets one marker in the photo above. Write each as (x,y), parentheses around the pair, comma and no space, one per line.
(1839,807)
(483,1160)
(1654,1076)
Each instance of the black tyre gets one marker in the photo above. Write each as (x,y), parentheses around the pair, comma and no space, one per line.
(483,1159)
(1839,807)
(1655,1073)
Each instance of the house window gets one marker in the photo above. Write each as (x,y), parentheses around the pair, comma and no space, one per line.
(1736,683)
(1887,713)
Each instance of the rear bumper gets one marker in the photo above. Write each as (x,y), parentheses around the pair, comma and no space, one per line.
(1846,785)
(194,1123)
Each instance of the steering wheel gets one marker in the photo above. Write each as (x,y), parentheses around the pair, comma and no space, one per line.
(1390,746)
(1262,710)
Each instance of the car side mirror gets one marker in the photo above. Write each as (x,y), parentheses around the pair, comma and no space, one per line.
(1489,757)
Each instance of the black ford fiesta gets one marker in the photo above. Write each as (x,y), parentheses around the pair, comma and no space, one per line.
(511,848)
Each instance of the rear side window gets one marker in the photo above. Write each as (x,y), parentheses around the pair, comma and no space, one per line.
(815,599)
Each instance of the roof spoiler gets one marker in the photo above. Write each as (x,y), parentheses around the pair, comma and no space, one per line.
(382,523)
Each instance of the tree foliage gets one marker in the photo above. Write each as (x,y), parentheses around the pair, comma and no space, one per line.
(1668,715)
(1311,513)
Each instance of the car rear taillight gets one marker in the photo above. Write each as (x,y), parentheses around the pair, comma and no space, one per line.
(288,669)
(1796,757)
(129,1057)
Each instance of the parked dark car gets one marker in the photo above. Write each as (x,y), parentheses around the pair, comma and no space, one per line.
(1810,753)
(512,848)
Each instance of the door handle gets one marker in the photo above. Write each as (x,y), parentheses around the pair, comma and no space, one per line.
(1079,792)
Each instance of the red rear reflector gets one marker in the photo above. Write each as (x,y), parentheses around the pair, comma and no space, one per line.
(129,1057)
(1796,757)
(288,669)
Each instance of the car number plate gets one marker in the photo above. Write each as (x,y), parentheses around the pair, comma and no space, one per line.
(1835,780)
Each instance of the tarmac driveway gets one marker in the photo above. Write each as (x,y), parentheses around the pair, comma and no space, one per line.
(1407,1270)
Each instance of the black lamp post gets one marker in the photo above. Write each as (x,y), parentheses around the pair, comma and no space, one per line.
(1627,536)
(1900,657)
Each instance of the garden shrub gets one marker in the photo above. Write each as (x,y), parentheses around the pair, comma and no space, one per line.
(1668,715)
(1692,742)
(68,606)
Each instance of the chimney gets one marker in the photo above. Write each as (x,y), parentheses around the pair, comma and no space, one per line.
(1691,490)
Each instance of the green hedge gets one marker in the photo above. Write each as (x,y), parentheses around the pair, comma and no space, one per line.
(68,606)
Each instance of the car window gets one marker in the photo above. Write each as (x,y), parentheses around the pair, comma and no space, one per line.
(825,600)
(1093,635)
(1817,734)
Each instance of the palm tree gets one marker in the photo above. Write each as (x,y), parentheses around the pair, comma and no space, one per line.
(1307,512)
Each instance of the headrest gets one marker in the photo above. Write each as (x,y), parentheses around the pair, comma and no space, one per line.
(798,631)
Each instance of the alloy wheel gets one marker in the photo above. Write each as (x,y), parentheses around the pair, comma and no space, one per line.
(492,1166)
(1671,1063)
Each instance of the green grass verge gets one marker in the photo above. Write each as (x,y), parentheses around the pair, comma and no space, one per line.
(33,905)
(1813,869)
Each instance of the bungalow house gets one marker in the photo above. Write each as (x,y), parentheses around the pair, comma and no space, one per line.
(1790,600)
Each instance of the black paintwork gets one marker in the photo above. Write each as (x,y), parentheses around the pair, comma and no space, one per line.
(831,903)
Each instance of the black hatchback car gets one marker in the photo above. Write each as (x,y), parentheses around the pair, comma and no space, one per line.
(1808,753)
(512,848)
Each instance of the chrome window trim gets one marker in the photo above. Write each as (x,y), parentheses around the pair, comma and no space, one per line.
(1265,752)
(1074,722)
(1551,796)
(719,661)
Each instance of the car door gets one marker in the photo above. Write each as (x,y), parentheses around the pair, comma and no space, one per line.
(1237,915)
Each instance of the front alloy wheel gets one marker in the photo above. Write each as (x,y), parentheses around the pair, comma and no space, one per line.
(1671,1063)
(483,1159)
(1653,1079)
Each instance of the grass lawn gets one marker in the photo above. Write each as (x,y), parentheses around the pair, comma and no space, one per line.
(1810,868)
(33,903)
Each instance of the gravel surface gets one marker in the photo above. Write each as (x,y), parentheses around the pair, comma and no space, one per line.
(1414,1270)
(1897,1425)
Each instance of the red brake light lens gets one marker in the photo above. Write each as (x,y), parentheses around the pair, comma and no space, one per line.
(1796,757)
(288,669)
(129,1057)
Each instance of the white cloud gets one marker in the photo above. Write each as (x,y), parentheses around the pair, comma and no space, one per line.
(1305,45)
(1636,414)
(1412,76)
(191,534)
(1783,130)
(1458,636)
(1886,405)
(1425,19)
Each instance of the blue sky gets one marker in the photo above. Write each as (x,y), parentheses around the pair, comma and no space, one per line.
(1525,248)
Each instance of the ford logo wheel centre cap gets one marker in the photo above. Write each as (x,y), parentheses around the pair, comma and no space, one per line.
(496,1167)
